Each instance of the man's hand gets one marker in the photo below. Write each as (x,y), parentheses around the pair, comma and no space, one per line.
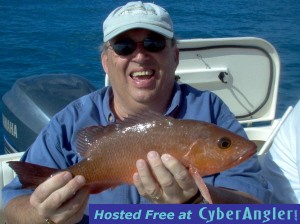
(61,198)
(164,180)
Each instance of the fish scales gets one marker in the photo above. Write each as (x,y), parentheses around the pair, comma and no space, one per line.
(133,143)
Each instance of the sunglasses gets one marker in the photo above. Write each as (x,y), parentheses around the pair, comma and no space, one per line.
(127,46)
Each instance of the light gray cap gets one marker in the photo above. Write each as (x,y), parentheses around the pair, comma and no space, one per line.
(135,15)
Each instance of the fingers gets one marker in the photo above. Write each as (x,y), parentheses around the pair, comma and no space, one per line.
(61,197)
(60,187)
(146,182)
(165,180)
(180,173)
(73,210)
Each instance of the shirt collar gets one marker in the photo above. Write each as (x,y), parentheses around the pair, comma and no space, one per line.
(171,110)
(109,115)
(175,102)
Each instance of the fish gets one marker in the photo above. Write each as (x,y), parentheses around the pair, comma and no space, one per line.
(109,153)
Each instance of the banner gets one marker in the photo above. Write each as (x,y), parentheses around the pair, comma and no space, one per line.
(196,213)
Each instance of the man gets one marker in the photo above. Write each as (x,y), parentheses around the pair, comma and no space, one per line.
(281,164)
(140,57)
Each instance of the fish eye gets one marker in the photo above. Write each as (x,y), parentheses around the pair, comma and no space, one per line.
(224,143)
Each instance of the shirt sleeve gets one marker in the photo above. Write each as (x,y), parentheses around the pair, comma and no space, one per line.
(40,153)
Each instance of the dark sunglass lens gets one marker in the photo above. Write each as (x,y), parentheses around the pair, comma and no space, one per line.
(124,47)
(154,44)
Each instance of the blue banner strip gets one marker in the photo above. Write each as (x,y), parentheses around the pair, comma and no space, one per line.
(230,213)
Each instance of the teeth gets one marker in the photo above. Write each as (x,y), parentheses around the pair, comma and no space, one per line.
(142,73)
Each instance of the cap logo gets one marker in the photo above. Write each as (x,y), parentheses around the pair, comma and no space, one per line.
(135,10)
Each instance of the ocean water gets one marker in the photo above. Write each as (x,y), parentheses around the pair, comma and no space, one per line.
(63,36)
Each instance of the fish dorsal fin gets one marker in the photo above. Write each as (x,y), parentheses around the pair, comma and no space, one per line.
(142,118)
(86,137)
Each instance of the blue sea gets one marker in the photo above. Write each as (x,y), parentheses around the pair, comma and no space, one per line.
(63,36)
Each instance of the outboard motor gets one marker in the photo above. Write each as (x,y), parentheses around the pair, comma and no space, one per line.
(31,102)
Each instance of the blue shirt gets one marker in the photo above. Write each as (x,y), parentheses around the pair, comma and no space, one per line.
(56,144)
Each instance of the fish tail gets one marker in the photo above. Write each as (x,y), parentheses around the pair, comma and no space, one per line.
(31,175)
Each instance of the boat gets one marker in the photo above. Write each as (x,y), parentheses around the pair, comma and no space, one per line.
(243,71)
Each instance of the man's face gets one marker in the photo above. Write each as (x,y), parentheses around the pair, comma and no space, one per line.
(142,77)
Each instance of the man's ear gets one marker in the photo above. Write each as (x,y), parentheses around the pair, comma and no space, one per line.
(104,62)
(177,56)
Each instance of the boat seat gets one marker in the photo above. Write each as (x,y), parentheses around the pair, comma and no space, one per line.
(6,175)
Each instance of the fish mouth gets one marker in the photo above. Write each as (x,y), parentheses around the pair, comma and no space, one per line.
(245,156)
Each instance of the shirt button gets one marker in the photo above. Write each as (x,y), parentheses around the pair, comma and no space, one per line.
(110,118)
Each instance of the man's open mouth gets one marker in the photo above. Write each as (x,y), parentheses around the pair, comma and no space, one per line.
(142,75)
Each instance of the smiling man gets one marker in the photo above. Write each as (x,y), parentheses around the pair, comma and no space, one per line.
(140,57)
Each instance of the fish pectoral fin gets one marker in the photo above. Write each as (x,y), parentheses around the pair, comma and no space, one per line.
(201,185)
(192,152)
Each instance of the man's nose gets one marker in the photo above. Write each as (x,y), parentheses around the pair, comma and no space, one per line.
(140,53)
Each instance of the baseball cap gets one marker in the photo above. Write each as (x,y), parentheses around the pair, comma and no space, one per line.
(135,15)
